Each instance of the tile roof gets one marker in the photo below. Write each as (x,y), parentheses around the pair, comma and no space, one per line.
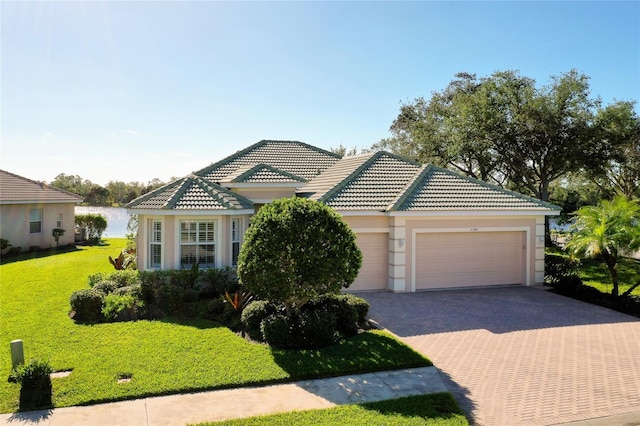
(191,193)
(297,158)
(16,189)
(372,185)
(438,189)
(261,173)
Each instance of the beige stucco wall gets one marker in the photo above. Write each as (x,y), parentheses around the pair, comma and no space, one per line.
(14,225)
(378,223)
(265,195)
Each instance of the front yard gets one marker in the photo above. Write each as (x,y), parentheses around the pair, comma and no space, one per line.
(162,357)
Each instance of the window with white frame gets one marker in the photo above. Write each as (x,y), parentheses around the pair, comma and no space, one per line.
(59,220)
(155,243)
(198,243)
(236,239)
(35,221)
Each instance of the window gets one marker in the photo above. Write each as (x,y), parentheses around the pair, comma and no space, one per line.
(59,220)
(35,221)
(236,232)
(155,244)
(197,244)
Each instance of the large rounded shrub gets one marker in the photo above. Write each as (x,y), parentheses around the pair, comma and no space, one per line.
(86,305)
(296,250)
(253,315)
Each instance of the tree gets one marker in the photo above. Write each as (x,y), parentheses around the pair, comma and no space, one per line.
(503,128)
(610,230)
(72,183)
(296,250)
(92,226)
(617,127)
(343,151)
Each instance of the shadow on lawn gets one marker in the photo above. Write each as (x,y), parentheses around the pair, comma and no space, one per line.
(37,253)
(433,407)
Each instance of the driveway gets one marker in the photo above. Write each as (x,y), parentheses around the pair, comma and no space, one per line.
(520,355)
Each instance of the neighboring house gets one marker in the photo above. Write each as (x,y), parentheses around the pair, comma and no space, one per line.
(30,210)
(418,226)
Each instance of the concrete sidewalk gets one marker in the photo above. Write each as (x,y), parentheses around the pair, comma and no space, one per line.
(241,402)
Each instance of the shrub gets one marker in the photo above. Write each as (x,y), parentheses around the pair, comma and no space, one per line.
(359,304)
(86,305)
(317,328)
(215,309)
(4,244)
(92,226)
(557,266)
(120,307)
(121,278)
(105,287)
(277,331)
(35,384)
(345,315)
(133,290)
(215,282)
(296,250)
(253,315)
(567,285)
(630,305)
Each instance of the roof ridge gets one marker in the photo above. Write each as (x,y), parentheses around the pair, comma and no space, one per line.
(252,169)
(155,192)
(410,187)
(214,190)
(179,192)
(342,183)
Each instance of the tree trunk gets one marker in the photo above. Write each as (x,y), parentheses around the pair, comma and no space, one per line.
(613,270)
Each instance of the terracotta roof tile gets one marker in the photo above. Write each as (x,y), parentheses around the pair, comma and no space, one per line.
(16,189)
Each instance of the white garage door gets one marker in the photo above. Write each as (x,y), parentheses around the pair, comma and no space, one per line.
(374,273)
(467,259)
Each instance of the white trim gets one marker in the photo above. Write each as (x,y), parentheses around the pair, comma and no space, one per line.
(199,213)
(525,229)
(465,213)
(370,230)
(148,242)
(261,200)
(22,202)
(359,213)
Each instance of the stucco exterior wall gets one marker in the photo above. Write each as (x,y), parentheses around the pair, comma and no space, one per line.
(14,224)
(263,196)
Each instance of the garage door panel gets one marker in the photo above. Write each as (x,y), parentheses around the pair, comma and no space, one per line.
(467,259)
(374,272)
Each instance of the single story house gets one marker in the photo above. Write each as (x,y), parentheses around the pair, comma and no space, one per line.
(30,210)
(419,226)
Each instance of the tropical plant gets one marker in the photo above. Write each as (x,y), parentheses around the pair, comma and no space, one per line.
(35,384)
(126,260)
(296,250)
(609,230)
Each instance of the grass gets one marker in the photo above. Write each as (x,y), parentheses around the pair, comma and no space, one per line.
(595,273)
(162,357)
(434,409)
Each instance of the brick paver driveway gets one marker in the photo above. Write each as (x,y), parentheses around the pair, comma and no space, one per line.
(521,355)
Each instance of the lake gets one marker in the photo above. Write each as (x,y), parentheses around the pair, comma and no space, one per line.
(117,219)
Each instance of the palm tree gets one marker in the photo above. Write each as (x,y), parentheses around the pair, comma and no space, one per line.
(610,229)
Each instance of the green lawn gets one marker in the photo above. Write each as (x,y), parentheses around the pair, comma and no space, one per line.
(164,357)
(594,273)
(435,409)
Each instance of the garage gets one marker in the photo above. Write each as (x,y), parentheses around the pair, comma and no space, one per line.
(469,259)
(374,273)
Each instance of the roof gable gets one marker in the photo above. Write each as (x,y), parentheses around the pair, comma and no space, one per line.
(438,189)
(293,157)
(16,189)
(191,193)
(261,173)
(371,185)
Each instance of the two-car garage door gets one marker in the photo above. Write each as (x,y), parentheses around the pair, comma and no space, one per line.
(466,259)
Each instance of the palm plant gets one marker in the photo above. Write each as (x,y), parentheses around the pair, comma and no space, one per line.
(610,230)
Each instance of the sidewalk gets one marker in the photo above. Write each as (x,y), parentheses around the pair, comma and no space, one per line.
(240,402)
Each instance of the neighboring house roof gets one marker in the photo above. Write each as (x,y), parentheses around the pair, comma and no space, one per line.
(191,193)
(438,189)
(296,158)
(16,189)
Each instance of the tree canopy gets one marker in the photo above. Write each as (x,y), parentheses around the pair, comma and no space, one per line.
(505,129)
(296,250)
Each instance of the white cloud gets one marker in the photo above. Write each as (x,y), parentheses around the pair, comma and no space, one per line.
(132,132)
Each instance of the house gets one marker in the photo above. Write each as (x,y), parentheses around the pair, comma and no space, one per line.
(30,210)
(418,226)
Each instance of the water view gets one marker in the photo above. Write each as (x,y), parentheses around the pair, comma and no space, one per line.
(117,219)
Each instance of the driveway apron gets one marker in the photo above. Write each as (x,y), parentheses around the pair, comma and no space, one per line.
(520,355)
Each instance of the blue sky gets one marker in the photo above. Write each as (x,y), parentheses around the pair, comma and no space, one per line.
(136,90)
